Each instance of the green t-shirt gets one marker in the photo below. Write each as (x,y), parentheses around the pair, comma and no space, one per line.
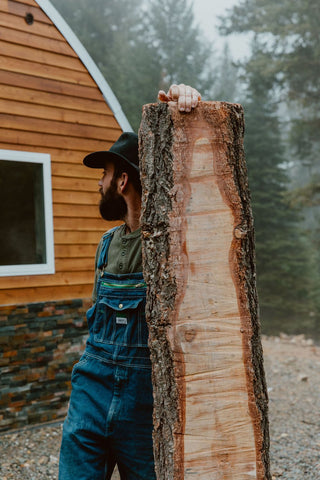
(124,255)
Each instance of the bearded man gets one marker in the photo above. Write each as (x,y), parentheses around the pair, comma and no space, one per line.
(109,420)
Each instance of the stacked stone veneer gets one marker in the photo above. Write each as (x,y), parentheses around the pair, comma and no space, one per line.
(39,344)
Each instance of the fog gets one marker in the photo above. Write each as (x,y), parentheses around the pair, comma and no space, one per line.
(206,14)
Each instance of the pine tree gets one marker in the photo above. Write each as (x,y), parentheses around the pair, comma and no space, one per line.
(284,272)
(226,87)
(290,31)
(182,54)
(114,35)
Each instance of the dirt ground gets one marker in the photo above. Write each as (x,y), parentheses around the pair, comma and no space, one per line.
(293,376)
(292,367)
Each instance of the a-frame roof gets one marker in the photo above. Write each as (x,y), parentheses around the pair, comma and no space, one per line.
(84,56)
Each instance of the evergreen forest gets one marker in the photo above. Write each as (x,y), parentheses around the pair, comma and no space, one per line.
(141,47)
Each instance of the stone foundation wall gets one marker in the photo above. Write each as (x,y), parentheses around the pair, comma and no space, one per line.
(39,344)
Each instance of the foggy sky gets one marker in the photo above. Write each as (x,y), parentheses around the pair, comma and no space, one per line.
(206,15)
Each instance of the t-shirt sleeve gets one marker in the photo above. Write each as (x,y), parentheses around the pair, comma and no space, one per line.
(96,272)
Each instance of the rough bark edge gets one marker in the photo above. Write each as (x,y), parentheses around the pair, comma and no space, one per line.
(245,253)
(156,138)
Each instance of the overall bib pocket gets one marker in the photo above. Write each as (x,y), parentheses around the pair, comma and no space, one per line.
(120,320)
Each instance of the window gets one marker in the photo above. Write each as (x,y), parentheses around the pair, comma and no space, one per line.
(26,230)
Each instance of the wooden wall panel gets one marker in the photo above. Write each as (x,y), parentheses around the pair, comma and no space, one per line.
(10,296)
(63,167)
(61,115)
(43,29)
(15,36)
(67,278)
(25,3)
(20,9)
(18,122)
(76,184)
(76,211)
(45,86)
(49,103)
(47,140)
(76,223)
(75,251)
(63,103)
(44,71)
(74,264)
(75,198)
(35,55)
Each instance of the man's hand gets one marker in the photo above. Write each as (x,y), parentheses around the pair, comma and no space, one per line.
(186,97)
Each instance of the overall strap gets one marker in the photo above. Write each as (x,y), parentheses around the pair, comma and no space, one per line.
(103,257)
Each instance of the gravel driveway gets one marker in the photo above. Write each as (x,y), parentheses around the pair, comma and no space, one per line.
(293,376)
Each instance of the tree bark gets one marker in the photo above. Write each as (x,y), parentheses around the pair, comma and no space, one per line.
(210,396)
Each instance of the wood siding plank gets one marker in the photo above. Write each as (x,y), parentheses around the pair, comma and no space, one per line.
(46,86)
(82,211)
(75,198)
(74,265)
(79,237)
(75,184)
(83,224)
(45,71)
(76,251)
(19,23)
(65,278)
(10,296)
(69,162)
(63,102)
(41,55)
(46,112)
(20,9)
(76,170)
(32,3)
(21,38)
(46,140)
(31,124)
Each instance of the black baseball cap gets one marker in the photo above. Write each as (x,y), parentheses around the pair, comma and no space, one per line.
(126,147)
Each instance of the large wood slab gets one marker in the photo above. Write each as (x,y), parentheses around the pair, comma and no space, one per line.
(210,399)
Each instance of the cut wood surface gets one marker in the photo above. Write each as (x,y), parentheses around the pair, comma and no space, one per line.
(210,399)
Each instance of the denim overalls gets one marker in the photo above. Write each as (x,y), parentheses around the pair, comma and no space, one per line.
(110,413)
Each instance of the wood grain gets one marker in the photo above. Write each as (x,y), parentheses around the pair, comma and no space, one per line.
(210,415)
(19,24)
(47,86)
(21,8)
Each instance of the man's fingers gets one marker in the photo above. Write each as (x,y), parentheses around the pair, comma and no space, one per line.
(162,96)
(174,92)
(195,99)
(186,97)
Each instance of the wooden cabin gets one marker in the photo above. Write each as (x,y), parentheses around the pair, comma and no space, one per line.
(55,107)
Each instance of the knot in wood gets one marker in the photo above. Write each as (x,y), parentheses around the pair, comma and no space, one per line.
(190,334)
(240,232)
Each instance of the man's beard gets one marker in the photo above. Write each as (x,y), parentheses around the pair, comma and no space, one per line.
(112,205)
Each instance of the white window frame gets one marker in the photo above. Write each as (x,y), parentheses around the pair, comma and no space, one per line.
(41,268)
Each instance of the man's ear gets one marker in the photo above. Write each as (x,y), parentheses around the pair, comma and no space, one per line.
(123,182)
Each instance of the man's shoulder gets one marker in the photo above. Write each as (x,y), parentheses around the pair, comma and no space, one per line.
(104,238)
(111,231)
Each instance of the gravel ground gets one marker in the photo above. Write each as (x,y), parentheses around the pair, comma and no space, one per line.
(293,377)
